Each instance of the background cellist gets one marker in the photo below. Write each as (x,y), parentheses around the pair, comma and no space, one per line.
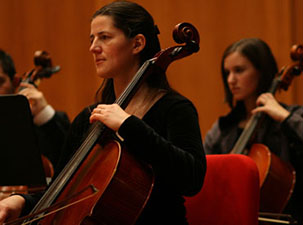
(248,69)
(123,35)
(51,126)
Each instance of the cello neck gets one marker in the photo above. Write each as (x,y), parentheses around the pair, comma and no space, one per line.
(246,135)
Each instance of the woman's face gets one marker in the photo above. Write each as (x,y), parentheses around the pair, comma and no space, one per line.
(242,77)
(112,50)
(6,86)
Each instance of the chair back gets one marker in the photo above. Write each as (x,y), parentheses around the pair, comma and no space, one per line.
(230,194)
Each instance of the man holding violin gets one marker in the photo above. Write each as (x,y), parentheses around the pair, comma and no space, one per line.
(51,126)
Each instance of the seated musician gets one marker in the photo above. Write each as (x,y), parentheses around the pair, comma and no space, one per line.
(51,126)
(123,36)
(248,69)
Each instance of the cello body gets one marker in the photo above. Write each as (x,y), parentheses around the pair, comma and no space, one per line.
(277,179)
(122,184)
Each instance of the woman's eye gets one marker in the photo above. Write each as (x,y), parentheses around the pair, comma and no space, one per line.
(104,37)
(239,70)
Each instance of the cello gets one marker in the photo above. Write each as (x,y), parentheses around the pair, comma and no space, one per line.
(102,183)
(277,178)
(43,69)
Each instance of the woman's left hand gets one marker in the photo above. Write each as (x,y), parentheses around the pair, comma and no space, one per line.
(268,104)
(110,115)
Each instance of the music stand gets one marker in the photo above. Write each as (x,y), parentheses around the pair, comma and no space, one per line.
(20,159)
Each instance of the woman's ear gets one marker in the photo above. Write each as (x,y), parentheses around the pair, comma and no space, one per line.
(139,42)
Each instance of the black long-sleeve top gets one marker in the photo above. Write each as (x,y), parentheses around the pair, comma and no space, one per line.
(169,139)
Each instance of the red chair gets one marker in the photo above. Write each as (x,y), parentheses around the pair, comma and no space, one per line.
(230,194)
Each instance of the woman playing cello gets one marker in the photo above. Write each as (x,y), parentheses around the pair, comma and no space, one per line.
(248,69)
(123,36)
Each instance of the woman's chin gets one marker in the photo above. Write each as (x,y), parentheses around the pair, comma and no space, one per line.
(102,74)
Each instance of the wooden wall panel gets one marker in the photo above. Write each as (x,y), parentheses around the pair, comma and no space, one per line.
(62,28)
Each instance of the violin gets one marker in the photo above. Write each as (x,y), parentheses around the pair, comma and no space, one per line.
(43,69)
(102,183)
(277,178)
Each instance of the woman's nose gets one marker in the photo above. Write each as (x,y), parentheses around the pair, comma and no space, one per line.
(231,78)
(94,48)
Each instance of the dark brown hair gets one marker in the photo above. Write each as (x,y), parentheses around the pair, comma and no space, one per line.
(7,64)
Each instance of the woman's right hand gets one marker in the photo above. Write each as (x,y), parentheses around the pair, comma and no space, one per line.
(35,97)
(11,207)
(111,115)
(268,104)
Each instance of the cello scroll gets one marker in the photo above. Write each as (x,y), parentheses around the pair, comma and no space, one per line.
(43,69)
(182,33)
(294,69)
(187,33)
